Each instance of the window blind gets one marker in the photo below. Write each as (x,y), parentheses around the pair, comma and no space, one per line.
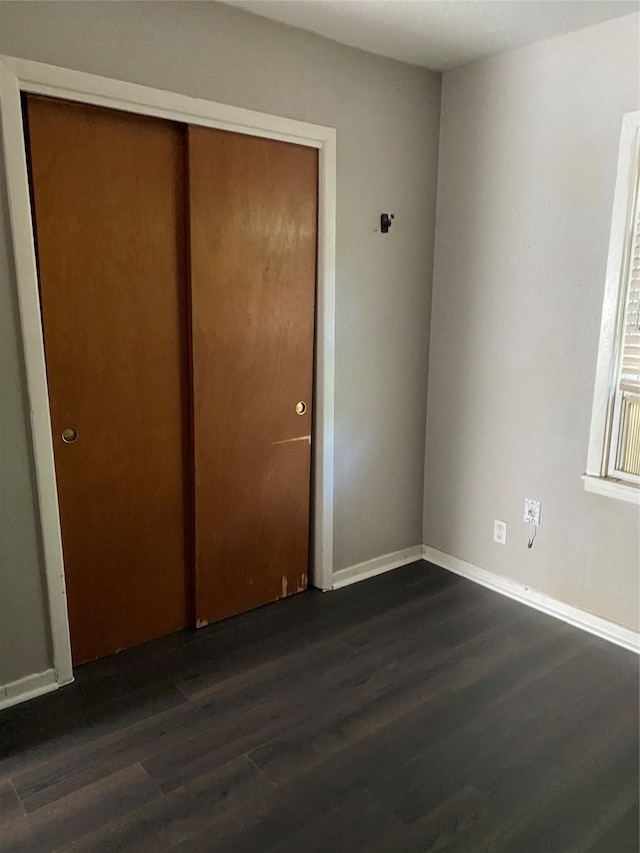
(630,367)
(628,455)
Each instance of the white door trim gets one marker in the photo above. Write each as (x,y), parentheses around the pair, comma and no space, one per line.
(20,75)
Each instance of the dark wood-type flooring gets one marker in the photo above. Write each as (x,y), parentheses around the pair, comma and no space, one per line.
(415,711)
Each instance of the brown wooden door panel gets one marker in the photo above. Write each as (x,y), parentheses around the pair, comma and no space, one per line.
(253,219)
(108,195)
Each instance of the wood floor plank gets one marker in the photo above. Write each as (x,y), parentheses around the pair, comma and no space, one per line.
(273,819)
(223,650)
(172,730)
(384,697)
(319,789)
(491,788)
(245,664)
(59,824)
(406,718)
(10,807)
(355,825)
(397,624)
(415,711)
(623,835)
(373,757)
(589,802)
(170,820)
(34,733)
(178,765)
(414,790)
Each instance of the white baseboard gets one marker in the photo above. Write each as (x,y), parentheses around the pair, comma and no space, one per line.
(611,631)
(44,682)
(377,566)
(27,688)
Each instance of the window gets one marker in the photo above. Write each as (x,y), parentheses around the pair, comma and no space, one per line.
(613,465)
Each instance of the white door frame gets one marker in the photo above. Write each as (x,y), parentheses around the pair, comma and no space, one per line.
(20,75)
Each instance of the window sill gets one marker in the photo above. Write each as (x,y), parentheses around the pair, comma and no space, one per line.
(615,489)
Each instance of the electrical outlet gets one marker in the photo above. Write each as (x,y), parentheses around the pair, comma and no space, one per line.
(532,511)
(500,531)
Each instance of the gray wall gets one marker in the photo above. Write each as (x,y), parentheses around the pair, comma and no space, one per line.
(528,146)
(24,646)
(387,119)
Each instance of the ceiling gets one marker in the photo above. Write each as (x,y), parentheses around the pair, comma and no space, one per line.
(439,34)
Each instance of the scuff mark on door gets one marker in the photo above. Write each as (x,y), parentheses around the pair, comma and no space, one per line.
(289,440)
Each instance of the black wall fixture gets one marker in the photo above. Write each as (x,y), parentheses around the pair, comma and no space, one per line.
(385,221)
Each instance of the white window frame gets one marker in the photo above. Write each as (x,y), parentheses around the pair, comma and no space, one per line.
(601,476)
(21,75)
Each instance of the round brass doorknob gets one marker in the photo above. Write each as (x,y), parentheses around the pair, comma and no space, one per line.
(69,435)
(301,408)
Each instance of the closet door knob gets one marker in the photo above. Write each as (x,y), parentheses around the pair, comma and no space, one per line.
(301,408)
(69,435)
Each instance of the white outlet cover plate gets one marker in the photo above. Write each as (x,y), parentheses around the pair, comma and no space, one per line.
(500,531)
(532,511)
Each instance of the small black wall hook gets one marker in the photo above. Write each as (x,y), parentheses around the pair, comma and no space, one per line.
(385,221)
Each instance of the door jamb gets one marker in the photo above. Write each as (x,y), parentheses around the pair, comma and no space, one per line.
(21,75)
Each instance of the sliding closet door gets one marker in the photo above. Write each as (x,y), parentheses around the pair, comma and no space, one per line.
(108,197)
(253,216)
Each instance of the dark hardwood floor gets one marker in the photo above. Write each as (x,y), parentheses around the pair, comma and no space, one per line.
(412,712)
